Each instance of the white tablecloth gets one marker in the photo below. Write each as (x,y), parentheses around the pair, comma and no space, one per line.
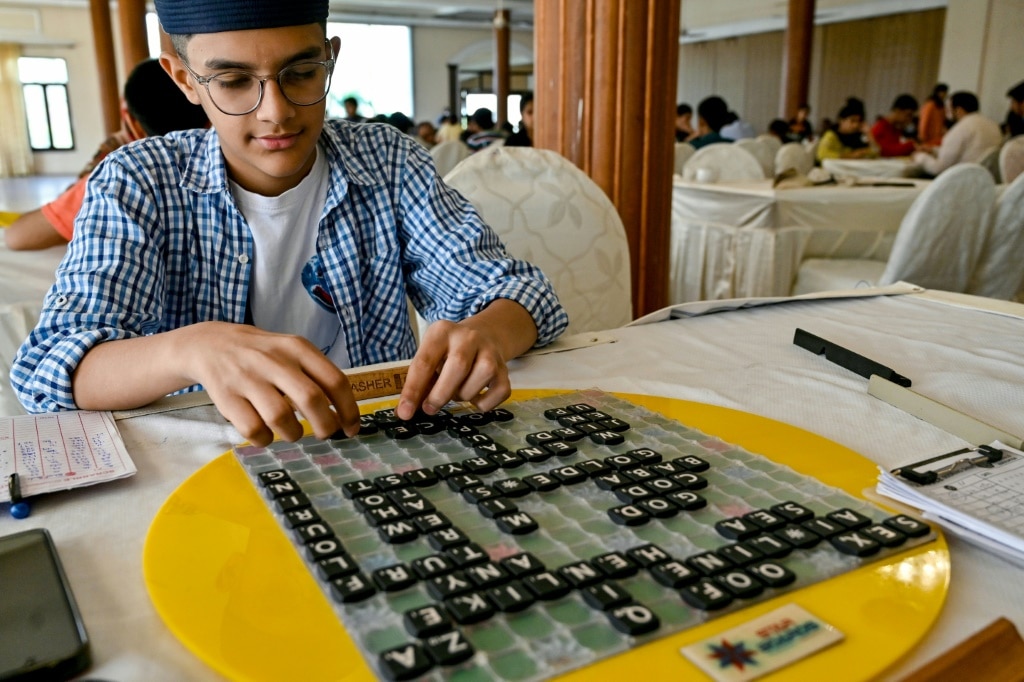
(733,240)
(744,359)
(896,167)
(25,277)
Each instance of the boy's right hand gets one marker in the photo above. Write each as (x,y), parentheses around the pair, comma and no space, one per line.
(259,379)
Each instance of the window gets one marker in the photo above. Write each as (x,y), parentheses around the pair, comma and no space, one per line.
(374,65)
(44,84)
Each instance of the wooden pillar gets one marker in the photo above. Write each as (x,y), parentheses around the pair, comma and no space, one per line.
(605,93)
(131,17)
(796,62)
(501,63)
(454,91)
(103,38)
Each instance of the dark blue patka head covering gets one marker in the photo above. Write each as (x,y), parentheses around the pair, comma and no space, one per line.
(185,17)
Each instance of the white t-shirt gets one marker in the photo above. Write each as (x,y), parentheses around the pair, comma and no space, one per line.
(287,293)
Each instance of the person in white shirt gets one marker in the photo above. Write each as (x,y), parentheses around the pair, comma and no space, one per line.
(967,141)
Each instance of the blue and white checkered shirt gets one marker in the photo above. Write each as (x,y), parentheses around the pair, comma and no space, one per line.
(159,244)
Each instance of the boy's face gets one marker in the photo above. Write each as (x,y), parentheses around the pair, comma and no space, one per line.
(270,150)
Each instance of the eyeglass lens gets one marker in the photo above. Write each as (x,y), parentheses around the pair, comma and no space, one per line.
(239,93)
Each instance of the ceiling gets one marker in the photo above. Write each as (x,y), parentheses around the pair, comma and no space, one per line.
(699,20)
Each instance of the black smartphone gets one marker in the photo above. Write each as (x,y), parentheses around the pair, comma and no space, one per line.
(42,636)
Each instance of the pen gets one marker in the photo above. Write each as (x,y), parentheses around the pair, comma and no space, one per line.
(846,358)
(19,508)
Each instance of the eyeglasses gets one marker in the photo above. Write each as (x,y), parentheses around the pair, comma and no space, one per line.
(237,93)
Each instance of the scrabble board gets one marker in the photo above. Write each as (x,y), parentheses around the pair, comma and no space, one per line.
(563,533)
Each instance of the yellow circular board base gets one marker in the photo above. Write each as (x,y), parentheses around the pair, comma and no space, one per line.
(233,589)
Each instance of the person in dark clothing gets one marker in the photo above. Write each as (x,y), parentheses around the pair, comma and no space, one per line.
(1014,124)
(521,138)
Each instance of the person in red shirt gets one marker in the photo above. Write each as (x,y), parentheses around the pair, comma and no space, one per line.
(890,131)
(152,105)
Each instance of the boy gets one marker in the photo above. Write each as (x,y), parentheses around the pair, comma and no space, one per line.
(152,105)
(313,232)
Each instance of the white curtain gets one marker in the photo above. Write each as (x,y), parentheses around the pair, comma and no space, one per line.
(15,152)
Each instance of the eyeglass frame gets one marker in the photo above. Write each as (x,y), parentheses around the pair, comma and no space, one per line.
(329,63)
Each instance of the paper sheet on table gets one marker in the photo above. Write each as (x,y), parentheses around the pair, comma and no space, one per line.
(696,308)
(62,450)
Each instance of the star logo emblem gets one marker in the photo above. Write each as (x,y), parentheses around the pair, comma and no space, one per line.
(732,655)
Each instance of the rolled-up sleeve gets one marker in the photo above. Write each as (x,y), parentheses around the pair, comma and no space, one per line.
(109,268)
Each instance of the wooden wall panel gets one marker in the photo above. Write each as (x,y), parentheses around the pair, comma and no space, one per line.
(605,101)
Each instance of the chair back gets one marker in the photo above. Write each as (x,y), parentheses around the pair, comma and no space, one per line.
(761,152)
(773,143)
(1011,159)
(448,154)
(940,238)
(684,150)
(550,213)
(722,162)
(1000,272)
(793,155)
(989,160)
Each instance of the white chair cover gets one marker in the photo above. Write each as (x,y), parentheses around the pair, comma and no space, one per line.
(773,143)
(1011,159)
(764,155)
(990,161)
(722,162)
(548,212)
(1000,272)
(937,246)
(793,155)
(684,150)
(448,154)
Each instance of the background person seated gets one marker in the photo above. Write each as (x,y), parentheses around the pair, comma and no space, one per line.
(1014,124)
(352,110)
(889,131)
(737,129)
(850,138)
(482,131)
(800,127)
(712,114)
(971,136)
(152,105)
(684,123)
(932,123)
(521,137)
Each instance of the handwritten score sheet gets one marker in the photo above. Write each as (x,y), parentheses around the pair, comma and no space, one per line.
(61,450)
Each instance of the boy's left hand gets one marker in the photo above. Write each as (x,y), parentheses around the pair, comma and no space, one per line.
(467,360)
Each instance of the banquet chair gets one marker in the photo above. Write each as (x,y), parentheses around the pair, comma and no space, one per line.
(937,246)
(1011,159)
(722,162)
(684,150)
(990,161)
(550,213)
(1000,271)
(793,155)
(773,143)
(448,154)
(761,151)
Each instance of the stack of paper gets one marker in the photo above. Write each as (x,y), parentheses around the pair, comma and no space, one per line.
(984,504)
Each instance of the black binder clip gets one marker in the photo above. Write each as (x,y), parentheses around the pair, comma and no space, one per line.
(923,474)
